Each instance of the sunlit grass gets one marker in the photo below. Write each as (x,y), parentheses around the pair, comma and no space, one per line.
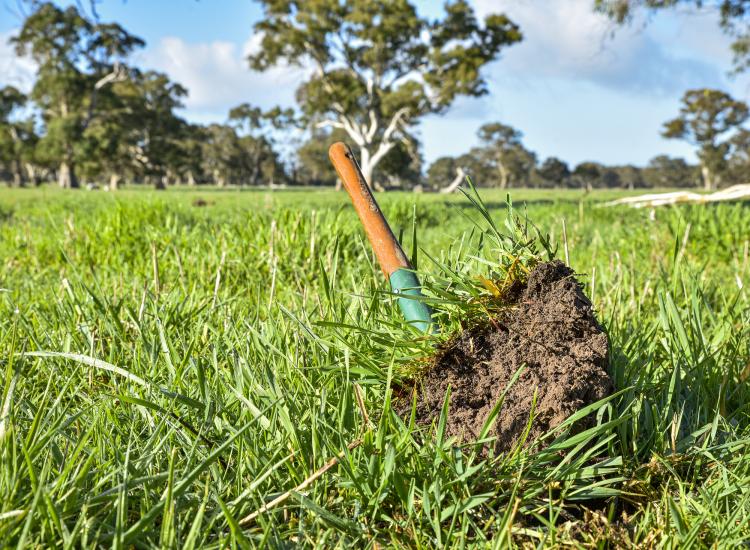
(169,369)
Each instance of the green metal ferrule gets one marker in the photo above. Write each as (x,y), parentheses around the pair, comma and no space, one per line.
(415,311)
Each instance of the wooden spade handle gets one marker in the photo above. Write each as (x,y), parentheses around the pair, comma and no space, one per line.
(387,249)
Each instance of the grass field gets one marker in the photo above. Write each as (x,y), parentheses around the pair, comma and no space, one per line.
(169,369)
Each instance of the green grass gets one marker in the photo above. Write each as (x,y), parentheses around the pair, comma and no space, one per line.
(168,369)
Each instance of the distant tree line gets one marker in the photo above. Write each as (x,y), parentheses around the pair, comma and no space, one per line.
(93,118)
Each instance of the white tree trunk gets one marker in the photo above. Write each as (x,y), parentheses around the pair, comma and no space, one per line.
(503,175)
(32,173)
(114,182)
(708,180)
(18,180)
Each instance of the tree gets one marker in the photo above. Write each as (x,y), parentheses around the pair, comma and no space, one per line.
(220,153)
(108,143)
(159,148)
(738,165)
(379,67)
(402,167)
(231,159)
(477,167)
(16,136)
(76,59)
(190,144)
(666,171)
(312,164)
(734,18)
(258,154)
(587,174)
(445,174)
(136,132)
(503,150)
(554,171)
(441,172)
(629,176)
(706,115)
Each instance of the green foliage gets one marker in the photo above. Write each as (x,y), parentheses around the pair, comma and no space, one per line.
(76,58)
(501,161)
(506,154)
(213,358)
(666,171)
(379,67)
(554,171)
(705,116)
(441,172)
(17,137)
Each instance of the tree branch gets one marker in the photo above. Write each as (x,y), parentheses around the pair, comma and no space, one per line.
(395,121)
(329,123)
(373,126)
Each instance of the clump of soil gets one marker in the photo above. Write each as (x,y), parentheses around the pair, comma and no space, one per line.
(552,330)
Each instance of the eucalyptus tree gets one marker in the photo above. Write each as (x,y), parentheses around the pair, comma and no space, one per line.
(505,151)
(220,153)
(666,171)
(16,134)
(706,116)
(258,132)
(738,163)
(136,133)
(587,174)
(190,159)
(160,150)
(378,66)
(109,142)
(312,166)
(441,172)
(76,60)
(446,175)
(554,171)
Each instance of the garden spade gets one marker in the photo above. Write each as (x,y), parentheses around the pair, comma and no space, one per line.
(390,255)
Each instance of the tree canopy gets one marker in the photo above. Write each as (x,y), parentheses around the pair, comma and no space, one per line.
(375,68)
(378,66)
(76,60)
(705,117)
(17,138)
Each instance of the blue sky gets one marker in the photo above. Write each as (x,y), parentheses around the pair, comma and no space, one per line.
(576,90)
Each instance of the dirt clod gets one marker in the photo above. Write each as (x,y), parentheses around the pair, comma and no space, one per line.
(552,330)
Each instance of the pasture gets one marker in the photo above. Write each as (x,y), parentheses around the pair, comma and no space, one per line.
(171,366)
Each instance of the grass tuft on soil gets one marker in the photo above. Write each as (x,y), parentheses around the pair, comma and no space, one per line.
(523,373)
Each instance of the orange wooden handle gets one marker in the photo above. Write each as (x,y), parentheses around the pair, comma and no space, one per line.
(389,253)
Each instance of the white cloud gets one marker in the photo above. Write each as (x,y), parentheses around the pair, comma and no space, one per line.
(566,39)
(15,71)
(218,77)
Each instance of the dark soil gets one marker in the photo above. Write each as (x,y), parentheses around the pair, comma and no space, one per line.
(552,330)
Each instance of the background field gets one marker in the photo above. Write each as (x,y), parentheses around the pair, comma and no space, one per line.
(234,337)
